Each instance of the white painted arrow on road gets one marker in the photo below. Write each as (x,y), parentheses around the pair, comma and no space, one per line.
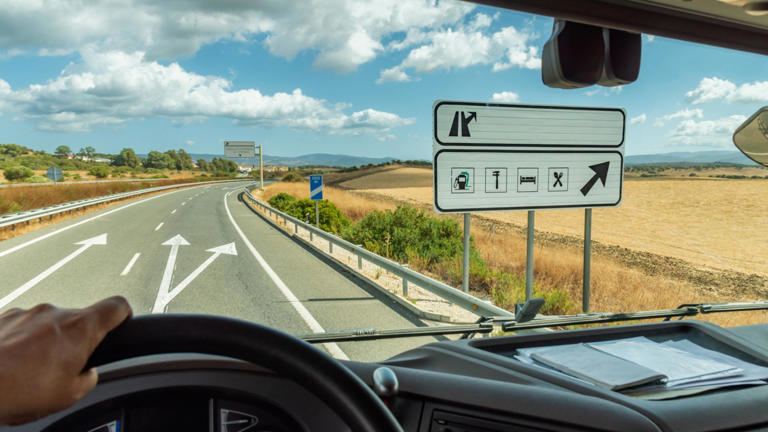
(227,249)
(99,240)
(165,284)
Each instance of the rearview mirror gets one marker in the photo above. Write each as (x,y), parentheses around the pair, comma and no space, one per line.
(752,137)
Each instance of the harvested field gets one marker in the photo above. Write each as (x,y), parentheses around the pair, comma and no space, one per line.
(712,223)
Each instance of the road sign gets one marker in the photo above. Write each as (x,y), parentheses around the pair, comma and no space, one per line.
(523,157)
(316,187)
(239,149)
(487,124)
(54,173)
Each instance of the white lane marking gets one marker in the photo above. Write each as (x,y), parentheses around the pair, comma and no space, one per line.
(98,240)
(227,249)
(159,226)
(174,243)
(184,203)
(315,326)
(61,230)
(174,211)
(130,264)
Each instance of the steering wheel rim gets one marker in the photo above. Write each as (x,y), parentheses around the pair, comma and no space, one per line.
(316,371)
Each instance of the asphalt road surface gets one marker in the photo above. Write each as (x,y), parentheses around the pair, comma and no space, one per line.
(198,250)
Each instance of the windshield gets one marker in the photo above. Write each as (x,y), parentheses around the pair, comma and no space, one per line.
(206,124)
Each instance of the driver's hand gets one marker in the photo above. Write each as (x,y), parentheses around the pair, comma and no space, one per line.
(43,351)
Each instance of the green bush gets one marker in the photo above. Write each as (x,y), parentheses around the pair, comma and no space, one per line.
(292,177)
(282,201)
(37,179)
(99,171)
(406,232)
(331,218)
(17,173)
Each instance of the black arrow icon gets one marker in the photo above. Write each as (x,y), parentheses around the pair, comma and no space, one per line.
(601,172)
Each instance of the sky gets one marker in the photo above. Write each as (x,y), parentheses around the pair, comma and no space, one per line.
(325,76)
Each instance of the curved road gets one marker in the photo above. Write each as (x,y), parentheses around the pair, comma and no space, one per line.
(198,250)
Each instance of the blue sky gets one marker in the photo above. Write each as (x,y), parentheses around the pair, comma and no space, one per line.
(347,77)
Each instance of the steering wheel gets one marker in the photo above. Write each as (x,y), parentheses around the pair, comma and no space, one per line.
(344,392)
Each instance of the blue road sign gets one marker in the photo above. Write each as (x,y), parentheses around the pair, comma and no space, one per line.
(54,174)
(315,187)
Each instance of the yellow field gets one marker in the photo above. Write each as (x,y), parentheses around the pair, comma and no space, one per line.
(716,223)
(616,287)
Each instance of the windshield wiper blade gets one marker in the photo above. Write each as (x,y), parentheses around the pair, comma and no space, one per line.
(373,333)
(682,311)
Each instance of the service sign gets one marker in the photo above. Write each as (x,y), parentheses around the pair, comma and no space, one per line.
(523,157)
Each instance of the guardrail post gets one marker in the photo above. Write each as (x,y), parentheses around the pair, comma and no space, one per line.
(330,246)
(405,283)
(311,235)
(295,228)
(359,260)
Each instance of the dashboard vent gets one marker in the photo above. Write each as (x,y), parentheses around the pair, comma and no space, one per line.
(443,421)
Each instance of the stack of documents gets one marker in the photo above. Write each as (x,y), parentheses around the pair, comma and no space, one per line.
(644,368)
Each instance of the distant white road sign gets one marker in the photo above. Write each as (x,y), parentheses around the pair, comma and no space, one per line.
(239,149)
(523,157)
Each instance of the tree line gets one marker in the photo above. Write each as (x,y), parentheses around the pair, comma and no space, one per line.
(18,162)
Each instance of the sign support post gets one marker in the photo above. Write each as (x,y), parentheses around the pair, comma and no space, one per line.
(317,214)
(587,259)
(261,167)
(529,258)
(465,272)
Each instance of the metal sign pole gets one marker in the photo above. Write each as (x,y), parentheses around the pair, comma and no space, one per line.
(317,214)
(465,273)
(587,259)
(529,258)
(261,166)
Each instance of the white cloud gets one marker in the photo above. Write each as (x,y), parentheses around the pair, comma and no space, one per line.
(505,96)
(394,74)
(190,142)
(114,87)
(710,89)
(463,47)
(682,114)
(649,38)
(341,33)
(387,137)
(706,133)
(638,119)
(716,89)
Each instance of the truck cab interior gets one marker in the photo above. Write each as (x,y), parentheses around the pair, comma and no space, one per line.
(210,373)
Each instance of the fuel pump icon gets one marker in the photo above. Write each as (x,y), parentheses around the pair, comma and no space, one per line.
(461,182)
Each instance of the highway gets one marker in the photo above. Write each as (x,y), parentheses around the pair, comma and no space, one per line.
(198,250)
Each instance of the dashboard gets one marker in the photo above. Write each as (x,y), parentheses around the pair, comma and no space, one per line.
(468,386)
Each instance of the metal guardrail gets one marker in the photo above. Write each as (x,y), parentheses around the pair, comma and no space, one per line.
(11,219)
(447,292)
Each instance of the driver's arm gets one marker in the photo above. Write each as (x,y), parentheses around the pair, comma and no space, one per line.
(43,351)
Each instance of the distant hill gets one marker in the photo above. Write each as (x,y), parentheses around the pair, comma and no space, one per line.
(323,159)
(702,157)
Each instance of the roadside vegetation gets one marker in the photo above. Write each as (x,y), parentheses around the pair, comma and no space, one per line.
(22,198)
(426,243)
(557,268)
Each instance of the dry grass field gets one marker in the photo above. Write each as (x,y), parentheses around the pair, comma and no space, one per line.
(616,287)
(19,198)
(713,223)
